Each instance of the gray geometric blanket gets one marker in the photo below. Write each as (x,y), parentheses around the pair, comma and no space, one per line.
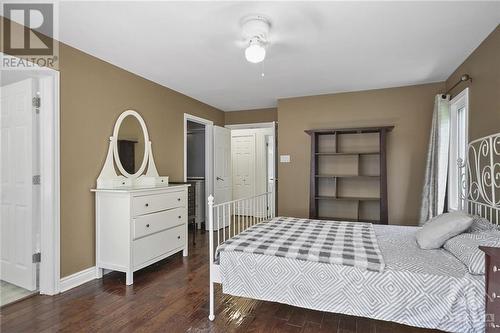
(332,242)
(423,288)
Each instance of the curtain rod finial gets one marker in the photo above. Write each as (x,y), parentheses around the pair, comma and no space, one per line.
(465,77)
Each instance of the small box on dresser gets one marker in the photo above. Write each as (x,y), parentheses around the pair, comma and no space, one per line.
(136,227)
(492,281)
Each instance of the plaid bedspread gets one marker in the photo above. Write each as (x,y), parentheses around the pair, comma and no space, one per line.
(332,242)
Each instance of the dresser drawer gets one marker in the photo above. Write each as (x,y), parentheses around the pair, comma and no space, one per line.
(154,203)
(493,316)
(150,223)
(155,245)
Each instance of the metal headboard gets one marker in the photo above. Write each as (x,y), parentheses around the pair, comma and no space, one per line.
(480,178)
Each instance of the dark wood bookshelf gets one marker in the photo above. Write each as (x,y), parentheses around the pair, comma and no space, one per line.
(347,176)
(348,219)
(327,197)
(320,154)
(350,153)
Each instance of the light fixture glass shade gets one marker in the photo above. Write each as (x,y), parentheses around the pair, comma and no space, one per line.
(255,52)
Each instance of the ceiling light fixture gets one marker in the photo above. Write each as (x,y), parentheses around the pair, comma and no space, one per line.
(255,30)
(256,51)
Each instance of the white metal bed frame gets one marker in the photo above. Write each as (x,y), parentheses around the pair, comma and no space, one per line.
(479,178)
(240,214)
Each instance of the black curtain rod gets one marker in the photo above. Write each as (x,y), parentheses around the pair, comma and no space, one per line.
(463,78)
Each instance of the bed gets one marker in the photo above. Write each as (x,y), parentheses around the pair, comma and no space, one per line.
(422,288)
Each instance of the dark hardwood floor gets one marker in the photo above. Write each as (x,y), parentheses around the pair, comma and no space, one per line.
(172,296)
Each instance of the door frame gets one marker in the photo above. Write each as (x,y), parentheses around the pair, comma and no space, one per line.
(273,125)
(253,125)
(49,88)
(209,155)
(50,183)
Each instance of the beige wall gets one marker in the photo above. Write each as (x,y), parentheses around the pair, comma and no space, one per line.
(483,65)
(93,94)
(409,109)
(251,116)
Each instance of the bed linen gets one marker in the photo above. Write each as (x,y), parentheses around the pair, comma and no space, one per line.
(422,288)
(336,242)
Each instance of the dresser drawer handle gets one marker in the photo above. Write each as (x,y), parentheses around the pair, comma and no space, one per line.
(147,225)
(494,295)
(178,237)
(180,216)
(147,205)
(178,199)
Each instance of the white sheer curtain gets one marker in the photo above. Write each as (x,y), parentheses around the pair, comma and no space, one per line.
(436,171)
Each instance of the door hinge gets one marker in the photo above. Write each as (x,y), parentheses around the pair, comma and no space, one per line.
(36,102)
(36,180)
(37,257)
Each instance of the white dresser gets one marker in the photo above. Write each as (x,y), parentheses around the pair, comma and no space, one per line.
(136,227)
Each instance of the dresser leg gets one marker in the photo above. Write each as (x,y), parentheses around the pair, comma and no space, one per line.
(130,278)
(185,252)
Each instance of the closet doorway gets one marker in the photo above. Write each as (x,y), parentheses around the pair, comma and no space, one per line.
(198,160)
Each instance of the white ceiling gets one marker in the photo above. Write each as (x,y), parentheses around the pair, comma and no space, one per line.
(317,47)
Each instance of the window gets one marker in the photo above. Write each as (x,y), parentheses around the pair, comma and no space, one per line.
(459,115)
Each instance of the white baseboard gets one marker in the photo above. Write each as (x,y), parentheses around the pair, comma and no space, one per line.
(79,278)
(76,279)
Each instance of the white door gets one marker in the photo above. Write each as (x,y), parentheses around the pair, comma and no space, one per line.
(243,159)
(17,192)
(222,172)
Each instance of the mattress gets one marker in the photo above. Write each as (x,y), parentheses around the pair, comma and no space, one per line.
(422,288)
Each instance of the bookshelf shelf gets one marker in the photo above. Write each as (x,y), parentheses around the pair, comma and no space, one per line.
(347,153)
(347,176)
(326,197)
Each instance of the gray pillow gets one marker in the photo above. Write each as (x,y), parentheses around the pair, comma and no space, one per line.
(441,228)
(480,224)
(465,247)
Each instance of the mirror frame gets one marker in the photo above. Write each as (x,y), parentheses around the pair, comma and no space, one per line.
(116,130)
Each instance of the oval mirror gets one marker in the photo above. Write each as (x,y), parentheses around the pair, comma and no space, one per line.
(131,144)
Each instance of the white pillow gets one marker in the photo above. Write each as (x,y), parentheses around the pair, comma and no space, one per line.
(465,247)
(438,230)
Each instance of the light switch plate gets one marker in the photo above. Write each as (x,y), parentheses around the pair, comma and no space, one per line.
(285,158)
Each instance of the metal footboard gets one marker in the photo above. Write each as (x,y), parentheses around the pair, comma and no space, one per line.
(228,219)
